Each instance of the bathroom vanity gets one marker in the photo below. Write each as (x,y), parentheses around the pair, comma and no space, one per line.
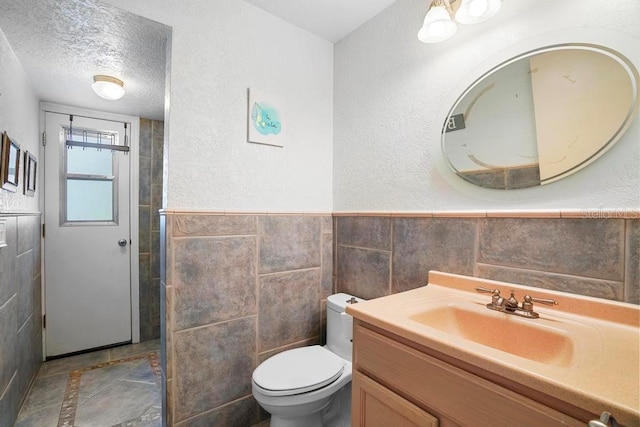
(437,356)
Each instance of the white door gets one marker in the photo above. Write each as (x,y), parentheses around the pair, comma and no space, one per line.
(87,234)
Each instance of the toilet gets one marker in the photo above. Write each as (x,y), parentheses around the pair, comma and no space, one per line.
(311,386)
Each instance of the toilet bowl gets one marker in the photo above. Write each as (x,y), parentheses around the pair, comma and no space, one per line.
(311,386)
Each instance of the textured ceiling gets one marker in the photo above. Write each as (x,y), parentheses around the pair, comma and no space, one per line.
(328,19)
(62,44)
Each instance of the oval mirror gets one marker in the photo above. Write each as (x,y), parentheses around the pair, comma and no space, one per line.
(540,116)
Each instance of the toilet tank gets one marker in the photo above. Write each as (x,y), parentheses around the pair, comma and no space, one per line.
(340,325)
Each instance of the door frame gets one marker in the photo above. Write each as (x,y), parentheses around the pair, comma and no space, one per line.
(134,178)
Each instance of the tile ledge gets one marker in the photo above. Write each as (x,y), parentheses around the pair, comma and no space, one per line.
(576,214)
(235,212)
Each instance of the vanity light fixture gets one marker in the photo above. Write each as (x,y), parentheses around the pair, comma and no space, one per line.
(108,87)
(439,24)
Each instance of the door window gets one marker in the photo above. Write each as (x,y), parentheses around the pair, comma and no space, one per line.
(90,177)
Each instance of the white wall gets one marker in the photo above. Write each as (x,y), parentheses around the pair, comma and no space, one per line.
(19,117)
(219,49)
(392,94)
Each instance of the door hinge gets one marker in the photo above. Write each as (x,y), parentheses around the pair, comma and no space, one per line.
(44,139)
(44,321)
(43,231)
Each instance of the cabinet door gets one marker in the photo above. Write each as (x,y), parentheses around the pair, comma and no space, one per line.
(377,406)
(451,392)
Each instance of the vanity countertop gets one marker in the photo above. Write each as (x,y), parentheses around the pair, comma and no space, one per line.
(584,351)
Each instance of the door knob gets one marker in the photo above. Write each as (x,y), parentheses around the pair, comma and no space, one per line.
(122,242)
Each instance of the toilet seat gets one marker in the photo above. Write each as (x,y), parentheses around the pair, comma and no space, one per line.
(296,371)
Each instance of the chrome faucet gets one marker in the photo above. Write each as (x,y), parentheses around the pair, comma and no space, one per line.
(511,304)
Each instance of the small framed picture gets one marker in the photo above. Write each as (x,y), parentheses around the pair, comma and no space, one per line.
(30,167)
(9,164)
(265,122)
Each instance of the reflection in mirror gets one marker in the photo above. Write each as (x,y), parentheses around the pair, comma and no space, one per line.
(540,116)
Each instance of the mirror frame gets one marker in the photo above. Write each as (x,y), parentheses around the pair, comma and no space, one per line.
(621,59)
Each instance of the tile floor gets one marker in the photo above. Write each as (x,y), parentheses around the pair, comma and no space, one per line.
(118,387)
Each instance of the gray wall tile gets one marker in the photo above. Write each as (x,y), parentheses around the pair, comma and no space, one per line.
(144,263)
(156,166)
(365,232)
(145,137)
(37,245)
(213,225)
(24,366)
(26,231)
(8,278)
(144,189)
(25,287)
(37,311)
(9,404)
(364,273)
(424,244)
(241,413)
(158,138)
(155,254)
(289,242)
(8,342)
(585,247)
(20,312)
(150,193)
(158,129)
(327,266)
(214,365)
(557,282)
(215,280)
(327,224)
(144,235)
(289,307)
(632,262)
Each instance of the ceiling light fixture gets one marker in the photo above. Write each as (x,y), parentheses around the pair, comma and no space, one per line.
(439,25)
(108,87)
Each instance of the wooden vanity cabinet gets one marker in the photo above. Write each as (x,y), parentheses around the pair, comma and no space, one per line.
(397,385)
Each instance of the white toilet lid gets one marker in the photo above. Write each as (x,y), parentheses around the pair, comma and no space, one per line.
(298,371)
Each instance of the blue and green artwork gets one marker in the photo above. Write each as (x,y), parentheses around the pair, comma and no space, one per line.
(265,119)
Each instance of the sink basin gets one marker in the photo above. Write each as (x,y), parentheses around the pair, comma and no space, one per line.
(525,338)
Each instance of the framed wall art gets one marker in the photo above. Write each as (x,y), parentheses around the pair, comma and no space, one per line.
(30,168)
(265,118)
(9,164)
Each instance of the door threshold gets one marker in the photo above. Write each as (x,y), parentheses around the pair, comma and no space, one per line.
(89,350)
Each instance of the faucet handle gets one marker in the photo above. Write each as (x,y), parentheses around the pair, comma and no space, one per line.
(494,292)
(527,303)
(546,301)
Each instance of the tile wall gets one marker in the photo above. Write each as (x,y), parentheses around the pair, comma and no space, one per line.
(382,255)
(20,311)
(150,194)
(237,289)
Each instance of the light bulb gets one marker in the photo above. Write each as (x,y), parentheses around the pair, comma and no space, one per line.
(478,8)
(474,11)
(438,26)
(436,29)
